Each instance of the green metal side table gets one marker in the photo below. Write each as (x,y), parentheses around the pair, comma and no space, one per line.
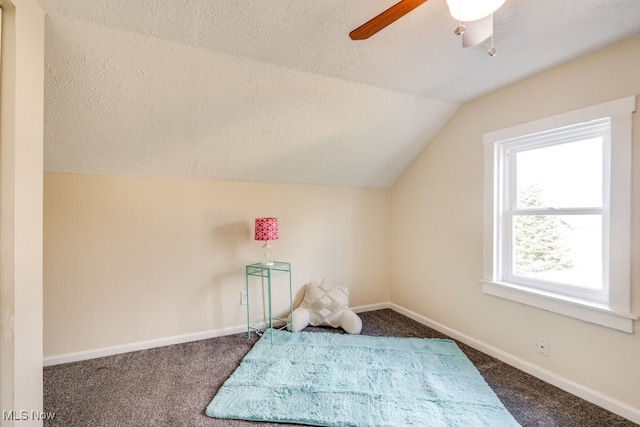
(267,273)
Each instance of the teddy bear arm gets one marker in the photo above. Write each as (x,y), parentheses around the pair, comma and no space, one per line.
(300,319)
(350,322)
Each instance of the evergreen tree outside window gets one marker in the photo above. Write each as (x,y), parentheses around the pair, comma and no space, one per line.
(540,242)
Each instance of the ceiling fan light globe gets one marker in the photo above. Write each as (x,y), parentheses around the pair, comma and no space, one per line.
(472,10)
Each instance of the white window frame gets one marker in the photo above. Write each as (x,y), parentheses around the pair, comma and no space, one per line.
(613,308)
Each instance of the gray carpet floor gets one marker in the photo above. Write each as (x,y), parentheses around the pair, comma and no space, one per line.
(172,385)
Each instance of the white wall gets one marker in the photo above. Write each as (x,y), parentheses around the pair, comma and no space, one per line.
(436,230)
(21,125)
(129,260)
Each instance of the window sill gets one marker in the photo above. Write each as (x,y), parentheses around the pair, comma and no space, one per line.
(582,310)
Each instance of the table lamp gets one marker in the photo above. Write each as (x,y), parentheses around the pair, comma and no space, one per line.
(266,230)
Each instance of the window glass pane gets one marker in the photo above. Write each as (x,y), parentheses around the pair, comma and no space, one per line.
(562,175)
(559,248)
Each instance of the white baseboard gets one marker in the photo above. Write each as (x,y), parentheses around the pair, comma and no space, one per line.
(586,393)
(370,307)
(141,345)
(161,342)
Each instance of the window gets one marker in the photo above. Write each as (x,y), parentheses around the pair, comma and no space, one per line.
(558,214)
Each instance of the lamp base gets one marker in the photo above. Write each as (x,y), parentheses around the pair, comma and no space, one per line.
(267,254)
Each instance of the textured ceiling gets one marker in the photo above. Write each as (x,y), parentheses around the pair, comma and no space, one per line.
(275,90)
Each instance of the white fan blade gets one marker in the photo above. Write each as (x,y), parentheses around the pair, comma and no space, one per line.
(477,31)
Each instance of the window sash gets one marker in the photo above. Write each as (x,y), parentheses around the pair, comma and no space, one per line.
(506,261)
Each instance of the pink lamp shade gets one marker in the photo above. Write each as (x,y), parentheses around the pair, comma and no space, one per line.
(266,229)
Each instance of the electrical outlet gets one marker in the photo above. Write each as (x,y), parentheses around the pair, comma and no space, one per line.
(543,347)
(243,297)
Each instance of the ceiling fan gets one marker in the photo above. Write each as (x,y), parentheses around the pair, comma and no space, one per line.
(475,20)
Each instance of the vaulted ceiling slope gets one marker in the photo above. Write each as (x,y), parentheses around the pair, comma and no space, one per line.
(275,90)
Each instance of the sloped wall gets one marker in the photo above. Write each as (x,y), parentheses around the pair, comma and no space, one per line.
(436,230)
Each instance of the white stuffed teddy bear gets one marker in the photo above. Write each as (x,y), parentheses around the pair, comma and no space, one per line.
(326,305)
